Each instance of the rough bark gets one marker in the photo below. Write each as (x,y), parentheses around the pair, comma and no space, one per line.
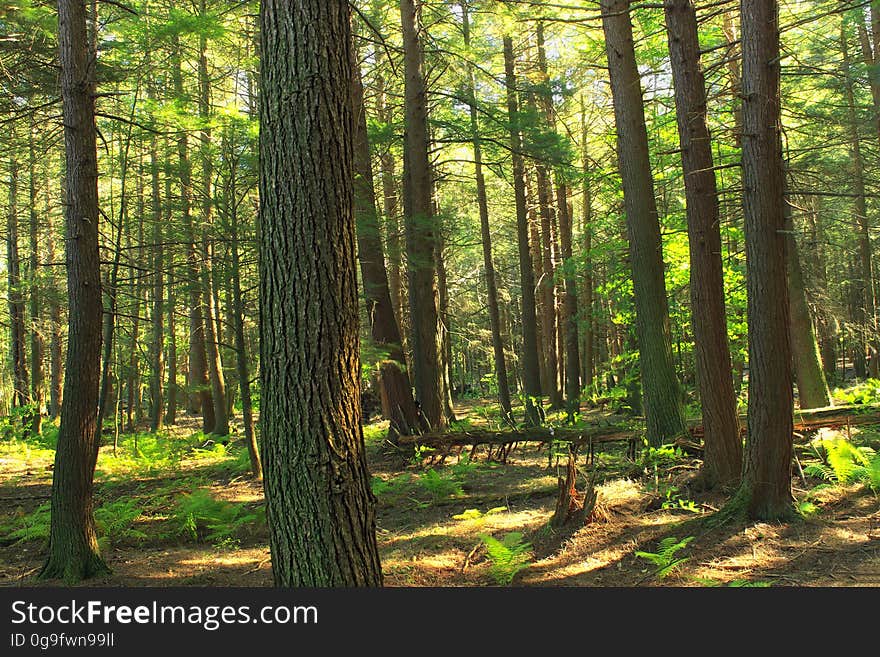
(73,544)
(766,481)
(722,460)
(531,374)
(320,508)
(660,387)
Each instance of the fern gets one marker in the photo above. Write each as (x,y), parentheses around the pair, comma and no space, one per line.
(508,556)
(664,558)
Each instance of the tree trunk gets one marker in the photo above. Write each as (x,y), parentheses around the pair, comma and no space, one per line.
(395,392)
(198,398)
(392,225)
(722,457)
(570,314)
(319,504)
(210,308)
(171,408)
(766,486)
(865,281)
(56,362)
(73,544)
(241,353)
(421,231)
(664,413)
(36,293)
(157,337)
(531,373)
(21,391)
(589,358)
(486,236)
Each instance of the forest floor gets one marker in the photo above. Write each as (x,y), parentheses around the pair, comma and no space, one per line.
(178,510)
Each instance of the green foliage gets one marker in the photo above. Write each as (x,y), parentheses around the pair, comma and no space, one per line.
(114,522)
(675,501)
(202,517)
(867,392)
(508,556)
(439,485)
(31,527)
(844,463)
(664,558)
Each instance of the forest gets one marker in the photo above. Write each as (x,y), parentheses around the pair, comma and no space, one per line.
(407,293)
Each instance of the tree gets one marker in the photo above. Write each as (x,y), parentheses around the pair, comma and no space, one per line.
(531,372)
(319,503)
(664,414)
(73,544)
(485,233)
(395,391)
(722,457)
(766,481)
(421,231)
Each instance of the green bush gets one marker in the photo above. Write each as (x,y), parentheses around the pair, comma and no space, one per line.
(507,556)
(202,517)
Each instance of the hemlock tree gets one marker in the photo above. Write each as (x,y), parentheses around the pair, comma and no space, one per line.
(664,413)
(320,508)
(73,544)
(766,487)
(722,458)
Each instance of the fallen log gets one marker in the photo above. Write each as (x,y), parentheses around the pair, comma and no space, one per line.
(630,430)
(506,440)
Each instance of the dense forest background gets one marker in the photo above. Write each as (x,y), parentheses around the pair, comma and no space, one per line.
(522,219)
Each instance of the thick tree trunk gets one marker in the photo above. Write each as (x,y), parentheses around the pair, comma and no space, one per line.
(73,544)
(319,504)
(722,458)
(395,392)
(486,236)
(766,487)
(664,413)
(531,373)
(421,231)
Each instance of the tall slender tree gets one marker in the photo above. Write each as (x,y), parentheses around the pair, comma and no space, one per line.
(73,543)
(664,412)
(722,458)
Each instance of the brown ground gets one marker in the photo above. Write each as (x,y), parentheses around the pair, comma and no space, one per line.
(422,543)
